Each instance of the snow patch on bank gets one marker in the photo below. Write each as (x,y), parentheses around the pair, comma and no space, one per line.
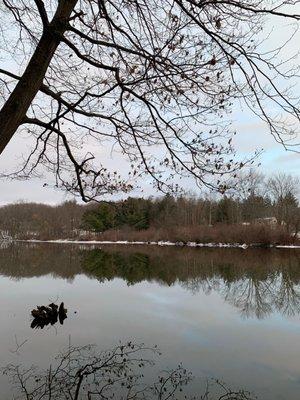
(288,247)
(126,242)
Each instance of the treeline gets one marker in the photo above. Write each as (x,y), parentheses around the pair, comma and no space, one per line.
(256,201)
(41,221)
(140,214)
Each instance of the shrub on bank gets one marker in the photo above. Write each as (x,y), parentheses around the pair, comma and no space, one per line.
(249,234)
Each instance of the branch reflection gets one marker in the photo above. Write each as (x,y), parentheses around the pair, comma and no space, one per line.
(120,373)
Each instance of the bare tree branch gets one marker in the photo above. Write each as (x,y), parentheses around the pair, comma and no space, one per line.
(156,80)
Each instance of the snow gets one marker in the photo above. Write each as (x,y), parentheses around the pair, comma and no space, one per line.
(159,243)
(126,242)
(287,247)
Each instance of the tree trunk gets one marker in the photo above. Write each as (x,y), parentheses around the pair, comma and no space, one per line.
(15,108)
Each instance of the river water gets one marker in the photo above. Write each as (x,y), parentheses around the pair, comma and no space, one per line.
(225,314)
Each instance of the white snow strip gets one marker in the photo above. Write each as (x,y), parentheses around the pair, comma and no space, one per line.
(287,247)
(125,242)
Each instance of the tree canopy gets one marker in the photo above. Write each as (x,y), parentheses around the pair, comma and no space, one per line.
(156,80)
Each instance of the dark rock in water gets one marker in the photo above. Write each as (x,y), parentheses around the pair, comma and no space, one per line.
(62,313)
(45,315)
(53,306)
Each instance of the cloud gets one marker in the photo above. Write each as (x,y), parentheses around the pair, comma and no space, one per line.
(252,135)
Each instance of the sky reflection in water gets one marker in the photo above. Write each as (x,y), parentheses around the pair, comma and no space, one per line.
(229,314)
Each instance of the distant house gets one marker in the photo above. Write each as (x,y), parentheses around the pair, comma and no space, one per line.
(83,233)
(5,236)
(268,221)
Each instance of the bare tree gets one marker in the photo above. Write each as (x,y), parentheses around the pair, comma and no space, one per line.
(140,75)
(281,185)
(249,183)
(284,189)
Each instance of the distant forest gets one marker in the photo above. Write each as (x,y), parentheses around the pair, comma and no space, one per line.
(271,204)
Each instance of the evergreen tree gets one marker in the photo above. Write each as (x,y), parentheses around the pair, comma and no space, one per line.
(101,219)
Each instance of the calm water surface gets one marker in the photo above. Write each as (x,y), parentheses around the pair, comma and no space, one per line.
(228,314)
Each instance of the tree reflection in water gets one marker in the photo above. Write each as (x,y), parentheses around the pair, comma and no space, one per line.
(255,287)
(260,298)
(257,282)
(82,373)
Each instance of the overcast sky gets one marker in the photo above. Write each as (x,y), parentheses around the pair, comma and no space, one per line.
(252,135)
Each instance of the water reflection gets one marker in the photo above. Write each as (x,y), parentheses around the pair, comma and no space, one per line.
(121,372)
(188,301)
(255,282)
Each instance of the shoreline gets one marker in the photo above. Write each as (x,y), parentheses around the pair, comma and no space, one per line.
(162,243)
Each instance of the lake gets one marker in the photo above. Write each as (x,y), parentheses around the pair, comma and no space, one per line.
(226,314)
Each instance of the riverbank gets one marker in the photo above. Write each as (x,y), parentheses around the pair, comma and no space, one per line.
(162,243)
(218,236)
